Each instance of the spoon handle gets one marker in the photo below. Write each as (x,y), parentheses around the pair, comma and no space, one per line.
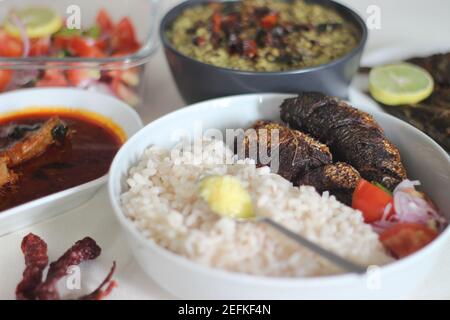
(330,256)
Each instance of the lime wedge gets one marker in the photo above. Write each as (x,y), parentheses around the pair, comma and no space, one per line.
(37,21)
(399,84)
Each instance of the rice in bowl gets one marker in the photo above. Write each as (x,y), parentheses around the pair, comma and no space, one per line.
(163,201)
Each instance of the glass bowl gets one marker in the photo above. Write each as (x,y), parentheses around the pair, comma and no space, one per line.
(142,13)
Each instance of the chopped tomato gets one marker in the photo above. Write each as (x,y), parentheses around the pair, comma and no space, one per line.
(85,48)
(371,200)
(77,45)
(53,78)
(78,77)
(102,44)
(105,22)
(125,93)
(124,38)
(269,21)
(406,238)
(39,47)
(10,47)
(104,38)
(62,42)
(5,79)
(130,76)
(121,53)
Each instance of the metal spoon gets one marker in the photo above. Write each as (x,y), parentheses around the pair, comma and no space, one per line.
(240,209)
(324,253)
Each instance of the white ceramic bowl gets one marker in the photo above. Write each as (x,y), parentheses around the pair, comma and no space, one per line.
(424,159)
(52,205)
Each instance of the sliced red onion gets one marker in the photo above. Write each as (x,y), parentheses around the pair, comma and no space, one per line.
(381,226)
(386,222)
(23,34)
(387,211)
(410,206)
(408,184)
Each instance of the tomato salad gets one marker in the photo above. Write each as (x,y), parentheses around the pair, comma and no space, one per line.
(40,32)
(407,220)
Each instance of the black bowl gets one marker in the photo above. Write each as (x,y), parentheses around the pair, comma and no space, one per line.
(197,81)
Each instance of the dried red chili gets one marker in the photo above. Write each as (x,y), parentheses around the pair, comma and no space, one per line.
(269,21)
(83,250)
(235,44)
(36,259)
(231,23)
(199,41)
(99,293)
(217,22)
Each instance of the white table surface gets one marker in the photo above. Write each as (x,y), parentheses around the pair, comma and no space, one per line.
(408,27)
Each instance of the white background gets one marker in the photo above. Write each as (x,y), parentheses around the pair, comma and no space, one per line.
(408,28)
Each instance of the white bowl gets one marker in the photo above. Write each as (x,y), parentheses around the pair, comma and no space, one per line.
(44,208)
(424,159)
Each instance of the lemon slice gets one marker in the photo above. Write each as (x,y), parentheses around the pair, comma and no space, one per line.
(38,22)
(399,84)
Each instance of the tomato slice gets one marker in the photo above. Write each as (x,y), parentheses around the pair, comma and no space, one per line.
(124,37)
(371,200)
(85,48)
(5,79)
(123,92)
(10,47)
(217,22)
(102,44)
(105,22)
(130,77)
(78,77)
(406,238)
(62,42)
(39,47)
(53,78)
